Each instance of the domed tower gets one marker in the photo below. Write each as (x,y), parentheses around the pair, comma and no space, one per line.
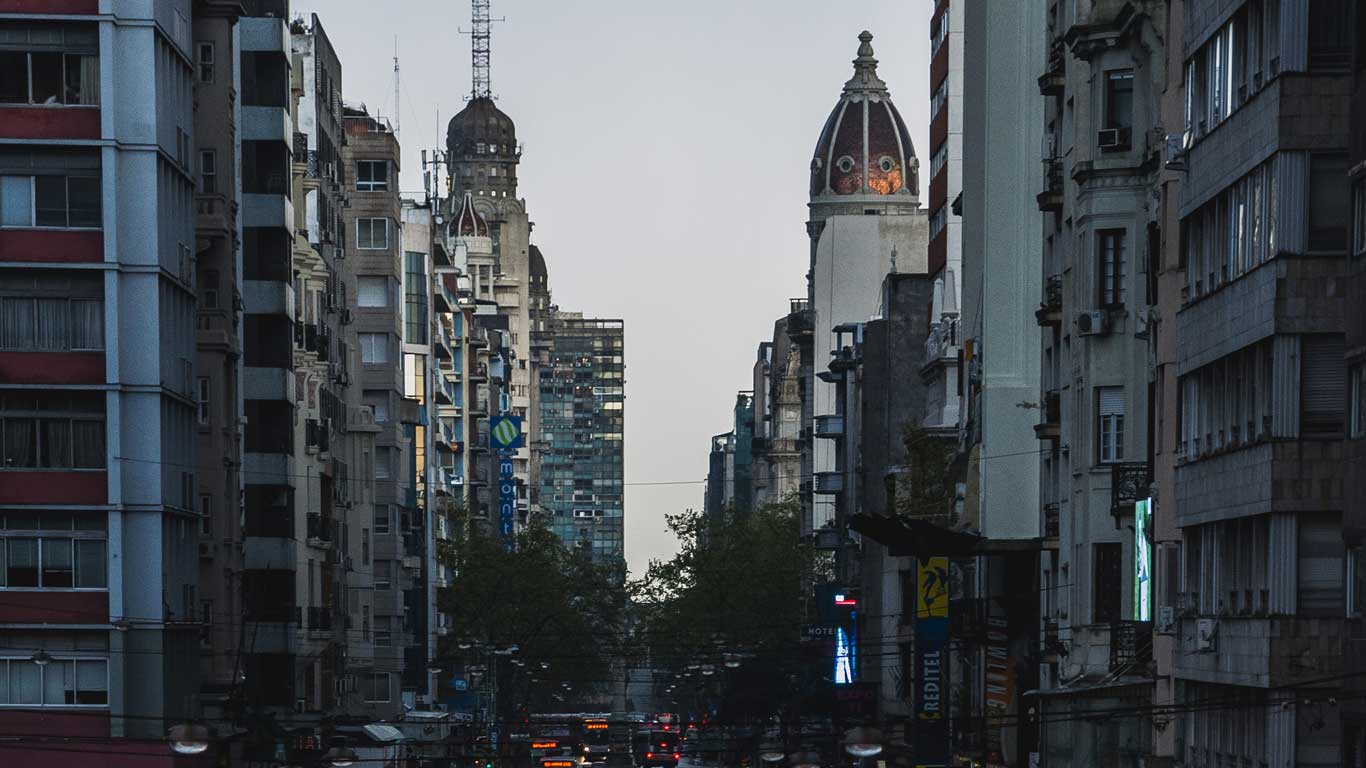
(482,152)
(864,161)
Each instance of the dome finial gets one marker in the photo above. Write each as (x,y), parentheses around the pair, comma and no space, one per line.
(865,67)
(865,49)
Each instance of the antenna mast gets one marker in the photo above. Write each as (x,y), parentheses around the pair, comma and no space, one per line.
(396,84)
(479,49)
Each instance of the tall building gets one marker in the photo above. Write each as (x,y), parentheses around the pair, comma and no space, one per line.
(1260,360)
(583,424)
(1354,450)
(777,417)
(98,496)
(865,215)
(1104,78)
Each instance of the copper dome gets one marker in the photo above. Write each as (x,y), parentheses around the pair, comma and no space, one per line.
(864,147)
(481,122)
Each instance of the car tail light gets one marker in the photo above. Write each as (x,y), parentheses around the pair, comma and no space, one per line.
(675,755)
(649,755)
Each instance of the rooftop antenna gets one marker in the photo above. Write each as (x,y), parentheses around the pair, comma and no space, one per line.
(479,48)
(396,84)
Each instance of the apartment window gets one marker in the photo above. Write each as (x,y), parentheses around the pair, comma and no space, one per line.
(372,175)
(1321,558)
(378,400)
(1329,203)
(202,392)
(208,171)
(1119,99)
(372,234)
(384,574)
(60,683)
(374,348)
(1110,423)
(1357,400)
(60,200)
(1356,580)
(51,312)
(375,687)
(384,463)
(53,550)
(365,546)
(1322,383)
(415,297)
(208,294)
(52,430)
(1106,584)
(385,629)
(372,291)
(365,623)
(50,64)
(204,59)
(1112,267)
(206,515)
(382,517)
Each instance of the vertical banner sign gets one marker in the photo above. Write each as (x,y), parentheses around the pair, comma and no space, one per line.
(505,437)
(1000,684)
(1143,560)
(931,635)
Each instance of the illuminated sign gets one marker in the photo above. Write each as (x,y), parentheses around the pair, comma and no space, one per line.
(931,639)
(843,599)
(596,726)
(507,499)
(558,764)
(1143,560)
(545,744)
(844,657)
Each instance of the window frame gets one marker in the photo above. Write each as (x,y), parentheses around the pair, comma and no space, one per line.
(1356,400)
(1113,77)
(203,399)
(1110,450)
(1111,291)
(66,177)
(370,221)
(64,75)
(369,687)
(372,184)
(208,171)
(41,538)
(40,419)
(58,663)
(203,65)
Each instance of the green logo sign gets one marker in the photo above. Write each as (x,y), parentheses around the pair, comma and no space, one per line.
(505,433)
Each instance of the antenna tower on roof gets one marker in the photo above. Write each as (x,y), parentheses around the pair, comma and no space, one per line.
(479,49)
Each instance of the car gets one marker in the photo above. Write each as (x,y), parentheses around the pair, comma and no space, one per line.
(662,750)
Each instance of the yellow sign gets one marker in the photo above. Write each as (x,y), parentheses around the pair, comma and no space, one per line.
(932,600)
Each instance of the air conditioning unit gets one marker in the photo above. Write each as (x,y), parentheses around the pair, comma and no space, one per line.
(1204,634)
(1166,619)
(1177,144)
(1113,138)
(1093,322)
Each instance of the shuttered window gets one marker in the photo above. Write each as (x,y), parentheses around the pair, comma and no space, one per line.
(1358,400)
(1323,384)
(1110,423)
(373,292)
(1321,557)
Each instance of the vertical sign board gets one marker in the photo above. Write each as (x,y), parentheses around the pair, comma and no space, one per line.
(505,437)
(931,635)
(1143,560)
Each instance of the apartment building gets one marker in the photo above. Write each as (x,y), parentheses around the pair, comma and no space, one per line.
(99,608)
(1259,484)
(1104,75)
(777,418)
(1354,449)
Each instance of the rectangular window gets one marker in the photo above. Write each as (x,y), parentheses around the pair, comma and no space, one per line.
(206,515)
(1359,206)
(1111,267)
(415,297)
(374,348)
(1323,383)
(375,687)
(202,401)
(378,400)
(372,291)
(1329,203)
(53,550)
(1321,558)
(365,623)
(50,324)
(1356,579)
(384,463)
(50,65)
(1106,584)
(1110,423)
(52,431)
(372,234)
(372,175)
(384,573)
(50,200)
(365,546)
(204,59)
(1357,400)
(59,683)
(384,632)
(382,515)
(208,171)
(1119,99)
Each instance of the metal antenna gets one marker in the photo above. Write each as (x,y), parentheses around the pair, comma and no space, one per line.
(396,85)
(479,49)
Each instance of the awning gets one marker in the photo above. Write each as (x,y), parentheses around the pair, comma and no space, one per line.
(382,733)
(907,536)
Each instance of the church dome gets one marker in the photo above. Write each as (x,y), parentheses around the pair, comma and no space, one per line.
(864,148)
(479,126)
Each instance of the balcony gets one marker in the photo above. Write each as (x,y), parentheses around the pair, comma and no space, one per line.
(479,373)
(319,531)
(1049,313)
(213,215)
(831,427)
(1131,647)
(1053,80)
(829,483)
(442,345)
(1129,483)
(800,319)
(445,392)
(1051,426)
(942,342)
(1050,199)
(266,124)
(1052,523)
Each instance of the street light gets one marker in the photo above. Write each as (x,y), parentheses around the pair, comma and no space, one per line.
(731,660)
(339,757)
(863,742)
(189,739)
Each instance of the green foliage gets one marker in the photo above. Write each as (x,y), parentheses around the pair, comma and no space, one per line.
(926,490)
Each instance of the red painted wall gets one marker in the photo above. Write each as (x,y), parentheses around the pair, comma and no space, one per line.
(49,6)
(49,122)
(28,486)
(46,607)
(85,247)
(939,253)
(52,367)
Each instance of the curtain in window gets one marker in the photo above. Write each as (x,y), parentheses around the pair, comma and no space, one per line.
(92,682)
(16,323)
(50,327)
(57,563)
(90,564)
(87,324)
(23,563)
(58,676)
(25,682)
(55,445)
(82,79)
(16,201)
(87,444)
(21,442)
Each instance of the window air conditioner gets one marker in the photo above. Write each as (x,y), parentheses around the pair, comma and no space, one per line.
(1204,634)
(1113,138)
(1093,322)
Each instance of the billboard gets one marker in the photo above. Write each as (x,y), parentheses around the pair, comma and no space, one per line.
(931,641)
(1143,560)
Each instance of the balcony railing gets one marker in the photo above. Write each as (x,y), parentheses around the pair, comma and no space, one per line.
(1051,82)
(831,426)
(1129,483)
(1049,313)
(1051,520)
(1050,428)
(1050,199)
(319,529)
(829,483)
(1131,647)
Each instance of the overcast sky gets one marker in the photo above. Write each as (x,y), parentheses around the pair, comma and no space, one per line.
(666,148)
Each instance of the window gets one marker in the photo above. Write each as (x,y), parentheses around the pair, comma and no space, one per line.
(1357,399)
(374,686)
(202,401)
(378,400)
(384,463)
(204,58)
(415,297)
(365,623)
(372,175)
(50,64)
(365,546)
(208,171)
(384,574)
(1356,580)
(1322,383)
(1321,557)
(51,313)
(47,430)
(53,550)
(382,516)
(206,515)
(1106,583)
(372,291)
(372,234)
(1329,206)
(1110,423)
(65,201)
(60,683)
(1359,208)
(1111,267)
(374,348)
(1119,99)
